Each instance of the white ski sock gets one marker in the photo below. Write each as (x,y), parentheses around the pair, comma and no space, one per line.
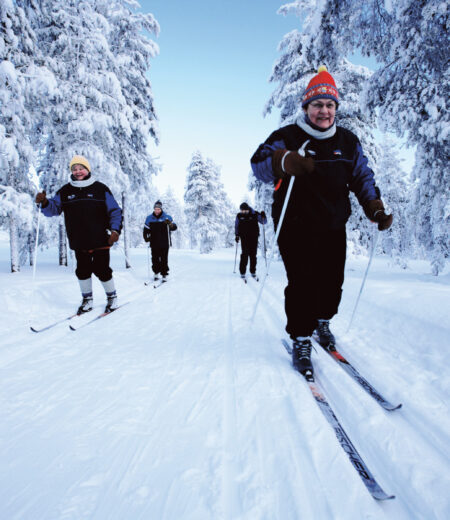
(86,287)
(109,286)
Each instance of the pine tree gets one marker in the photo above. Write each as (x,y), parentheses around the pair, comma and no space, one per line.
(204,203)
(137,123)
(22,85)
(395,184)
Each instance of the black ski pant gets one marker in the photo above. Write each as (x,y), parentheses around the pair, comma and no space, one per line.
(314,262)
(95,262)
(249,248)
(159,260)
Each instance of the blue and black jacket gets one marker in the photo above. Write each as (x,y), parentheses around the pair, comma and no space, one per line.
(319,200)
(246,224)
(90,209)
(157,230)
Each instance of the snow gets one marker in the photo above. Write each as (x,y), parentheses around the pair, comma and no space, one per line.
(176,407)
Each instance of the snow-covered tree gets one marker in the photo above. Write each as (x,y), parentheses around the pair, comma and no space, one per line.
(172,206)
(230,212)
(204,203)
(23,85)
(136,123)
(396,186)
(409,91)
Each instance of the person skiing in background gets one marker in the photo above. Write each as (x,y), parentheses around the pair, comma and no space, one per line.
(93,223)
(312,240)
(247,231)
(157,228)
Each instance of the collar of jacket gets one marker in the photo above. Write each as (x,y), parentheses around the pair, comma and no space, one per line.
(82,184)
(317,134)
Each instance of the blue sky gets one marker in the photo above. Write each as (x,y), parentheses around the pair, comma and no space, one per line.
(210,84)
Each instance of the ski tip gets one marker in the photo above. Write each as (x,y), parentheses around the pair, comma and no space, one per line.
(381,495)
(33,329)
(392,408)
(71,327)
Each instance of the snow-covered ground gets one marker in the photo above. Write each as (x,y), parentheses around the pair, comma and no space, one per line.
(177,407)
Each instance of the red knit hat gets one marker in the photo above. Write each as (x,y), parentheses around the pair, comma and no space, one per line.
(321,86)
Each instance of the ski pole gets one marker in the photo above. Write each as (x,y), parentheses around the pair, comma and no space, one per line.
(235,256)
(374,246)
(265,248)
(148,262)
(169,238)
(34,262)
(275,237)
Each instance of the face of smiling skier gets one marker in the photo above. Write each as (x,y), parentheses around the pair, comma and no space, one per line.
(79,172)
(321,112)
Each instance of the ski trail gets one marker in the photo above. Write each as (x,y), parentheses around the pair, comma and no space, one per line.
(295,453)
(230,491)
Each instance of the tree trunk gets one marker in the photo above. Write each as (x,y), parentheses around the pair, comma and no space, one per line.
(126,238)
(14,244)
(62,244)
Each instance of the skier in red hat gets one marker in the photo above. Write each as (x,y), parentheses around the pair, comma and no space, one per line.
(312,240)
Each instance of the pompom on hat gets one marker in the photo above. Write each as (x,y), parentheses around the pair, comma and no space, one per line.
(79,159)
(321,86)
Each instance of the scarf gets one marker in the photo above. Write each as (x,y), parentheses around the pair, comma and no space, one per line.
(305,124)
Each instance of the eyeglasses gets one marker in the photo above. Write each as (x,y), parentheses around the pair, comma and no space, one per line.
(329,106)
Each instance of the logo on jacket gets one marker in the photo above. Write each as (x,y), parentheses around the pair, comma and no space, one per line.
(337,152)
(311,152)
(90,194)
(70,197)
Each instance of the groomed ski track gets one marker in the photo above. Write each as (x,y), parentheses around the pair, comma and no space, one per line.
(176,407)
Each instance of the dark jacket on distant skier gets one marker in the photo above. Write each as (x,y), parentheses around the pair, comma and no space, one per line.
(321,200)
(90,209)
(156,230)
(246,224)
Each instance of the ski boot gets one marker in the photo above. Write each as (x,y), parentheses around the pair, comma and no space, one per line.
(86,305)
(325,336)
(301,357)
(156,277)
(111,304)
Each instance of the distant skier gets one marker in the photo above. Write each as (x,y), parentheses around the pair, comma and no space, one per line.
(312,239)
(90,213)
(157,228)
(247,230)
